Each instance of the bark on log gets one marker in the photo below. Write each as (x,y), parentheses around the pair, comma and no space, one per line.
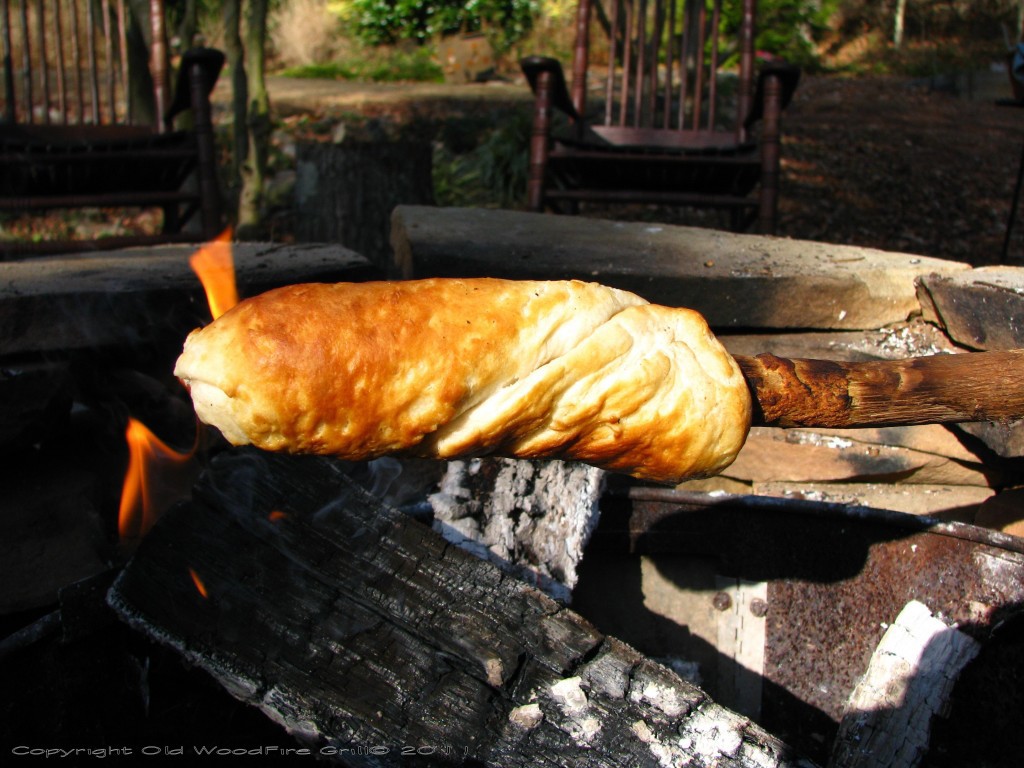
(367,635)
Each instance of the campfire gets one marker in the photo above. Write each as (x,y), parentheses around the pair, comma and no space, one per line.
(187,598)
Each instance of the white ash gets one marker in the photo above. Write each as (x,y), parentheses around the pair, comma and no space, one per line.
(527,717)
(532,519)
(569,695)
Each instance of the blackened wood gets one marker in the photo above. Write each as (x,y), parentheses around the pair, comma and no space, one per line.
(51,534)
(364,633)
(938,389)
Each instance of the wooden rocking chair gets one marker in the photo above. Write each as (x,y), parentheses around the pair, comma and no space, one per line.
(77,129)
(675,128)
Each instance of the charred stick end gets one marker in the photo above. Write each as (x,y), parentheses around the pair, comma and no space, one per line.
(793,393)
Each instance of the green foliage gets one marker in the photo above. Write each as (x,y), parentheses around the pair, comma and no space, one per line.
(788,29)
(393,21)
(491,174)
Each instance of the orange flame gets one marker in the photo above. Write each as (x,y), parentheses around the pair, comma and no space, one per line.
(200,586)
(157,476)
(216,270)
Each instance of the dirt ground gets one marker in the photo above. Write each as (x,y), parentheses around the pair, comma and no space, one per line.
(900,165)
(917,166)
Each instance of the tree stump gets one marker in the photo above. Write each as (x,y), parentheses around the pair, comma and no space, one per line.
(345,192)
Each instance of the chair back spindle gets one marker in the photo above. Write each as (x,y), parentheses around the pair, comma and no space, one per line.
(88,121)
(67,62)
(685,122)
(664,61)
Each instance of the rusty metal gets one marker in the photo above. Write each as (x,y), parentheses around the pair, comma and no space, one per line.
(721,601)
(837,576)
(759,607)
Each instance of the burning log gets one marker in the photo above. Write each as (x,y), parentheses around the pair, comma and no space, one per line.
(367,635)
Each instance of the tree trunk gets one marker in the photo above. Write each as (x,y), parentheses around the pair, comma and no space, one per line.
(188,25)
(257,124)
(240,92)
(897,32)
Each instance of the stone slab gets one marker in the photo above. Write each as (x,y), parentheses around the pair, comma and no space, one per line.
(1007,440)
(957,503)
(735,281)
(130,296)
(897,342)
(982,308)
(808,456)
(1004,512)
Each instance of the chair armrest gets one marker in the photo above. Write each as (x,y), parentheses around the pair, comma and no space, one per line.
(209,61)
(788,76)
(534,66)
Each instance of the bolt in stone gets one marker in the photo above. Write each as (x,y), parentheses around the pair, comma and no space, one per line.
(759,607)
(722,601)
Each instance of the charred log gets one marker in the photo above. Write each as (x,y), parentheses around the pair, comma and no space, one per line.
(369,636)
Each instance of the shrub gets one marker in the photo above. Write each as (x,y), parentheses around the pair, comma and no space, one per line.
(393,21)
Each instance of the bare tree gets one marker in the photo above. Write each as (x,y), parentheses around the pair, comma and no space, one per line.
(245,44)
(897,31)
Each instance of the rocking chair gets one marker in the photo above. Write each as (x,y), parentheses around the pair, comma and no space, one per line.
(675,127)
(90,125)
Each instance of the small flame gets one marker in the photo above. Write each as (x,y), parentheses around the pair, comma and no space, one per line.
(200,586)
(152,483)
(216,270)
(277,516)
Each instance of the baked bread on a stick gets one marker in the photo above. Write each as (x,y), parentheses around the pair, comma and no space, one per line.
(450,368)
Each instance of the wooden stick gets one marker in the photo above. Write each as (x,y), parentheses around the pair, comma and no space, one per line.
(940,389)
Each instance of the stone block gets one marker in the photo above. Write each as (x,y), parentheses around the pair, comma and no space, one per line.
(813,456)
(735,281)
(980,308)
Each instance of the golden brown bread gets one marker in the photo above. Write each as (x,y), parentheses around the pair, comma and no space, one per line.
(451,368)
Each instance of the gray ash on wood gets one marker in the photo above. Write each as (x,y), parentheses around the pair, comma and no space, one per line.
(532,519)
